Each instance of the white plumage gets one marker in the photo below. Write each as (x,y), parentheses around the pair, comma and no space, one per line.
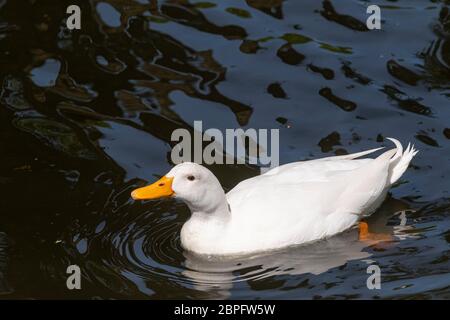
(292,204)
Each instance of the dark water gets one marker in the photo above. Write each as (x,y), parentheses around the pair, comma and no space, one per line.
(86,116)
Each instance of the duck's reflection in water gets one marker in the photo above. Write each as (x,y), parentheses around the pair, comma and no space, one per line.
(217,275)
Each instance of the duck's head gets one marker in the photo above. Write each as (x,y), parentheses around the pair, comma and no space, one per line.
(190,182)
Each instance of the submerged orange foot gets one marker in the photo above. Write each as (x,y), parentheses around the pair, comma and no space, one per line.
(366,235)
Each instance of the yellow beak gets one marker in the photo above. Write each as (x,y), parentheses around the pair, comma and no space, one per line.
(159,189)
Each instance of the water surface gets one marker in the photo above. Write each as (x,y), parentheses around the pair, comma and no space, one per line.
(86,116)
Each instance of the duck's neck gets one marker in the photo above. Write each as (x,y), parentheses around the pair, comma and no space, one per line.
(206,227)
(218,211)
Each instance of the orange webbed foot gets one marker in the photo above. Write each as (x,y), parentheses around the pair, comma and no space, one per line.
(372,238)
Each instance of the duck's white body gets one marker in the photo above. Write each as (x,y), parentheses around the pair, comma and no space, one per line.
(291,204)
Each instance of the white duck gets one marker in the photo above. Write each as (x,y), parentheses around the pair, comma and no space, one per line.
(292,204)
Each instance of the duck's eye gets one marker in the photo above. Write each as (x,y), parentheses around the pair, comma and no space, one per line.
(191,178)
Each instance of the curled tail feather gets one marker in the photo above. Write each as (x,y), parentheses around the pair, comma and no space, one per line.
(400,161)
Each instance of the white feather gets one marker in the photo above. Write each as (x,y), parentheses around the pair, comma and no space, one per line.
(292,204)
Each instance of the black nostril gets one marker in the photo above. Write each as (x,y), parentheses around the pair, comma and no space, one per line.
(161,184)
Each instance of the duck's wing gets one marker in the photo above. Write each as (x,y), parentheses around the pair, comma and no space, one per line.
(322,166)
(352,155)
(283,200)
(291,206)
(321,169)
(300,172)
(365,186)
